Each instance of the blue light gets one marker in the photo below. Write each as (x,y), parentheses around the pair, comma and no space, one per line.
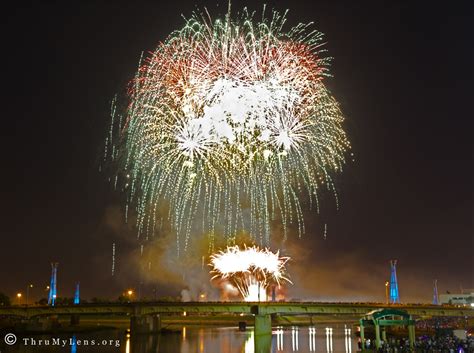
(74,345)
(394,296)
(53,285)
(76,295)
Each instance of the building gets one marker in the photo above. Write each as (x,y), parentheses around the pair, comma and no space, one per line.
(457,298)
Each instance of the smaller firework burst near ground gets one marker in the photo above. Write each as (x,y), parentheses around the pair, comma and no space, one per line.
(251,270)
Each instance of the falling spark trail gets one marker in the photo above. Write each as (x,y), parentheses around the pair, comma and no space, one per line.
(113,259)
(228,124)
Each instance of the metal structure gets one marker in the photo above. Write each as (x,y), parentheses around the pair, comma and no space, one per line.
(77,299)
(267,308)
(435,292)
(394,296)
(53,293)
(387,317)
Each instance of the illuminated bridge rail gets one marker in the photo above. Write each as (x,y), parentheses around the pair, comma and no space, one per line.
(267,308)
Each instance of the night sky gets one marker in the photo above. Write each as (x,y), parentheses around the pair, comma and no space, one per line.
(402,74)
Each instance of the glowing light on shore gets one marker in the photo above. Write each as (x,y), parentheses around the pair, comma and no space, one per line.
(251,270)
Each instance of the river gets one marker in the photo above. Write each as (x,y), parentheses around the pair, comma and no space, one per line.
(334,338)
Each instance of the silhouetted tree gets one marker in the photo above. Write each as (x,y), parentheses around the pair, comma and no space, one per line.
(64,301)
(43,301)
(123,299)
(4,300)
(99,300)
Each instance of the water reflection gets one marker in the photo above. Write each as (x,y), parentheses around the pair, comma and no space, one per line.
(312,339)
(329,339)
(201,340)
(127,344)
(279,338)
(250,343)
(74,345)
(294,338)
(347,339)
(336,338)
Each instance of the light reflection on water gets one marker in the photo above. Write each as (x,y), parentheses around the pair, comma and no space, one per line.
(329,339)
(127,345)
(335,339)
(347,340)
(74,345)
(312,338)
(194,339)
(249,346)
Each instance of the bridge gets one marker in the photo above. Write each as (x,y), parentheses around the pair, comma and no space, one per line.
(255,308)
(145,316)
(139,310)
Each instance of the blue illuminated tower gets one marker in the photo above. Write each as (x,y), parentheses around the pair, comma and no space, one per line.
(53,285)
(394,296)
(76,294)
(435,292)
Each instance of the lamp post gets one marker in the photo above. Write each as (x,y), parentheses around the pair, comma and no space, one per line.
(387,284)
(19,295)
(28,292)
(130,293)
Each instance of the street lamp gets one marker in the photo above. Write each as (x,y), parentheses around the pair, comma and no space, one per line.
(130,293)
(18,295)
(28,292)
(387,284)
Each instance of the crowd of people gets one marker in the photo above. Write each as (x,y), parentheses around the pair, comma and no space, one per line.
(424,344)
(448,344)
(441,323)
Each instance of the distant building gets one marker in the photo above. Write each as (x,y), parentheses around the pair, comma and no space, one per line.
(457,298)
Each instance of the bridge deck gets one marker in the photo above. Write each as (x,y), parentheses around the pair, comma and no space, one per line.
(284,308)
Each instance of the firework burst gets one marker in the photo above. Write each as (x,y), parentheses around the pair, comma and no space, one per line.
(251,270)
(229,122)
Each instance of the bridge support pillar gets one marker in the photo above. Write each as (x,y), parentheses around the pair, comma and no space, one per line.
(377,336)
(362,335)
(384,334)
(263,325)
(263,333)
(263,343)
(411,335)
(156,323)
(145,324)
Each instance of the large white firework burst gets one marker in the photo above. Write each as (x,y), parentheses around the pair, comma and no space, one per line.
(229,122)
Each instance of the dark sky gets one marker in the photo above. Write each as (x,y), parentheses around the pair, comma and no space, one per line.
(402,73)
